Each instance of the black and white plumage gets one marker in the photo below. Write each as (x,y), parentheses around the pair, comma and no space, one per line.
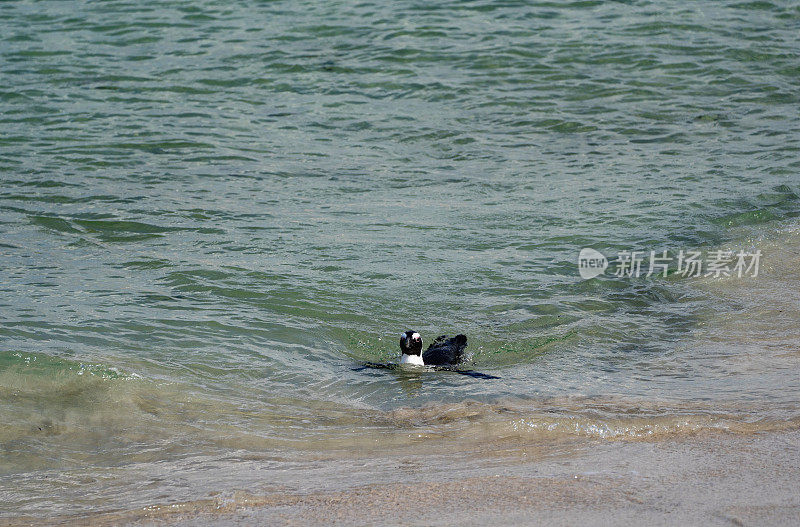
(442,351)
(443,354)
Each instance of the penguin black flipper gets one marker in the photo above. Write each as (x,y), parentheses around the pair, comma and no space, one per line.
(468,373)
(376,365)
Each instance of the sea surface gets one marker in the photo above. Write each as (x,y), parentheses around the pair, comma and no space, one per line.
(212,213)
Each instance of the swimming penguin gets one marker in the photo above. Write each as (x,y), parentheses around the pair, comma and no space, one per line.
(443,351)
(443,354)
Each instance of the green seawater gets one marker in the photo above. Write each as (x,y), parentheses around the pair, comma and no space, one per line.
(212,212)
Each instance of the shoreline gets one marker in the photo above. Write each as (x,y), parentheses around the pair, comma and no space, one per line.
(708,479)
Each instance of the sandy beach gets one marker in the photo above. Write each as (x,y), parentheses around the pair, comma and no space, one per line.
(711,479)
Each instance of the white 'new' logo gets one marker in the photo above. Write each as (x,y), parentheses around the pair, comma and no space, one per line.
(591,263)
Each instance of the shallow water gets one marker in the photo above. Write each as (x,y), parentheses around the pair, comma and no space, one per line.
(211,213)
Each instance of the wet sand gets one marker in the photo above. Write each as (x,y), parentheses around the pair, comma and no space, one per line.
(709,479)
